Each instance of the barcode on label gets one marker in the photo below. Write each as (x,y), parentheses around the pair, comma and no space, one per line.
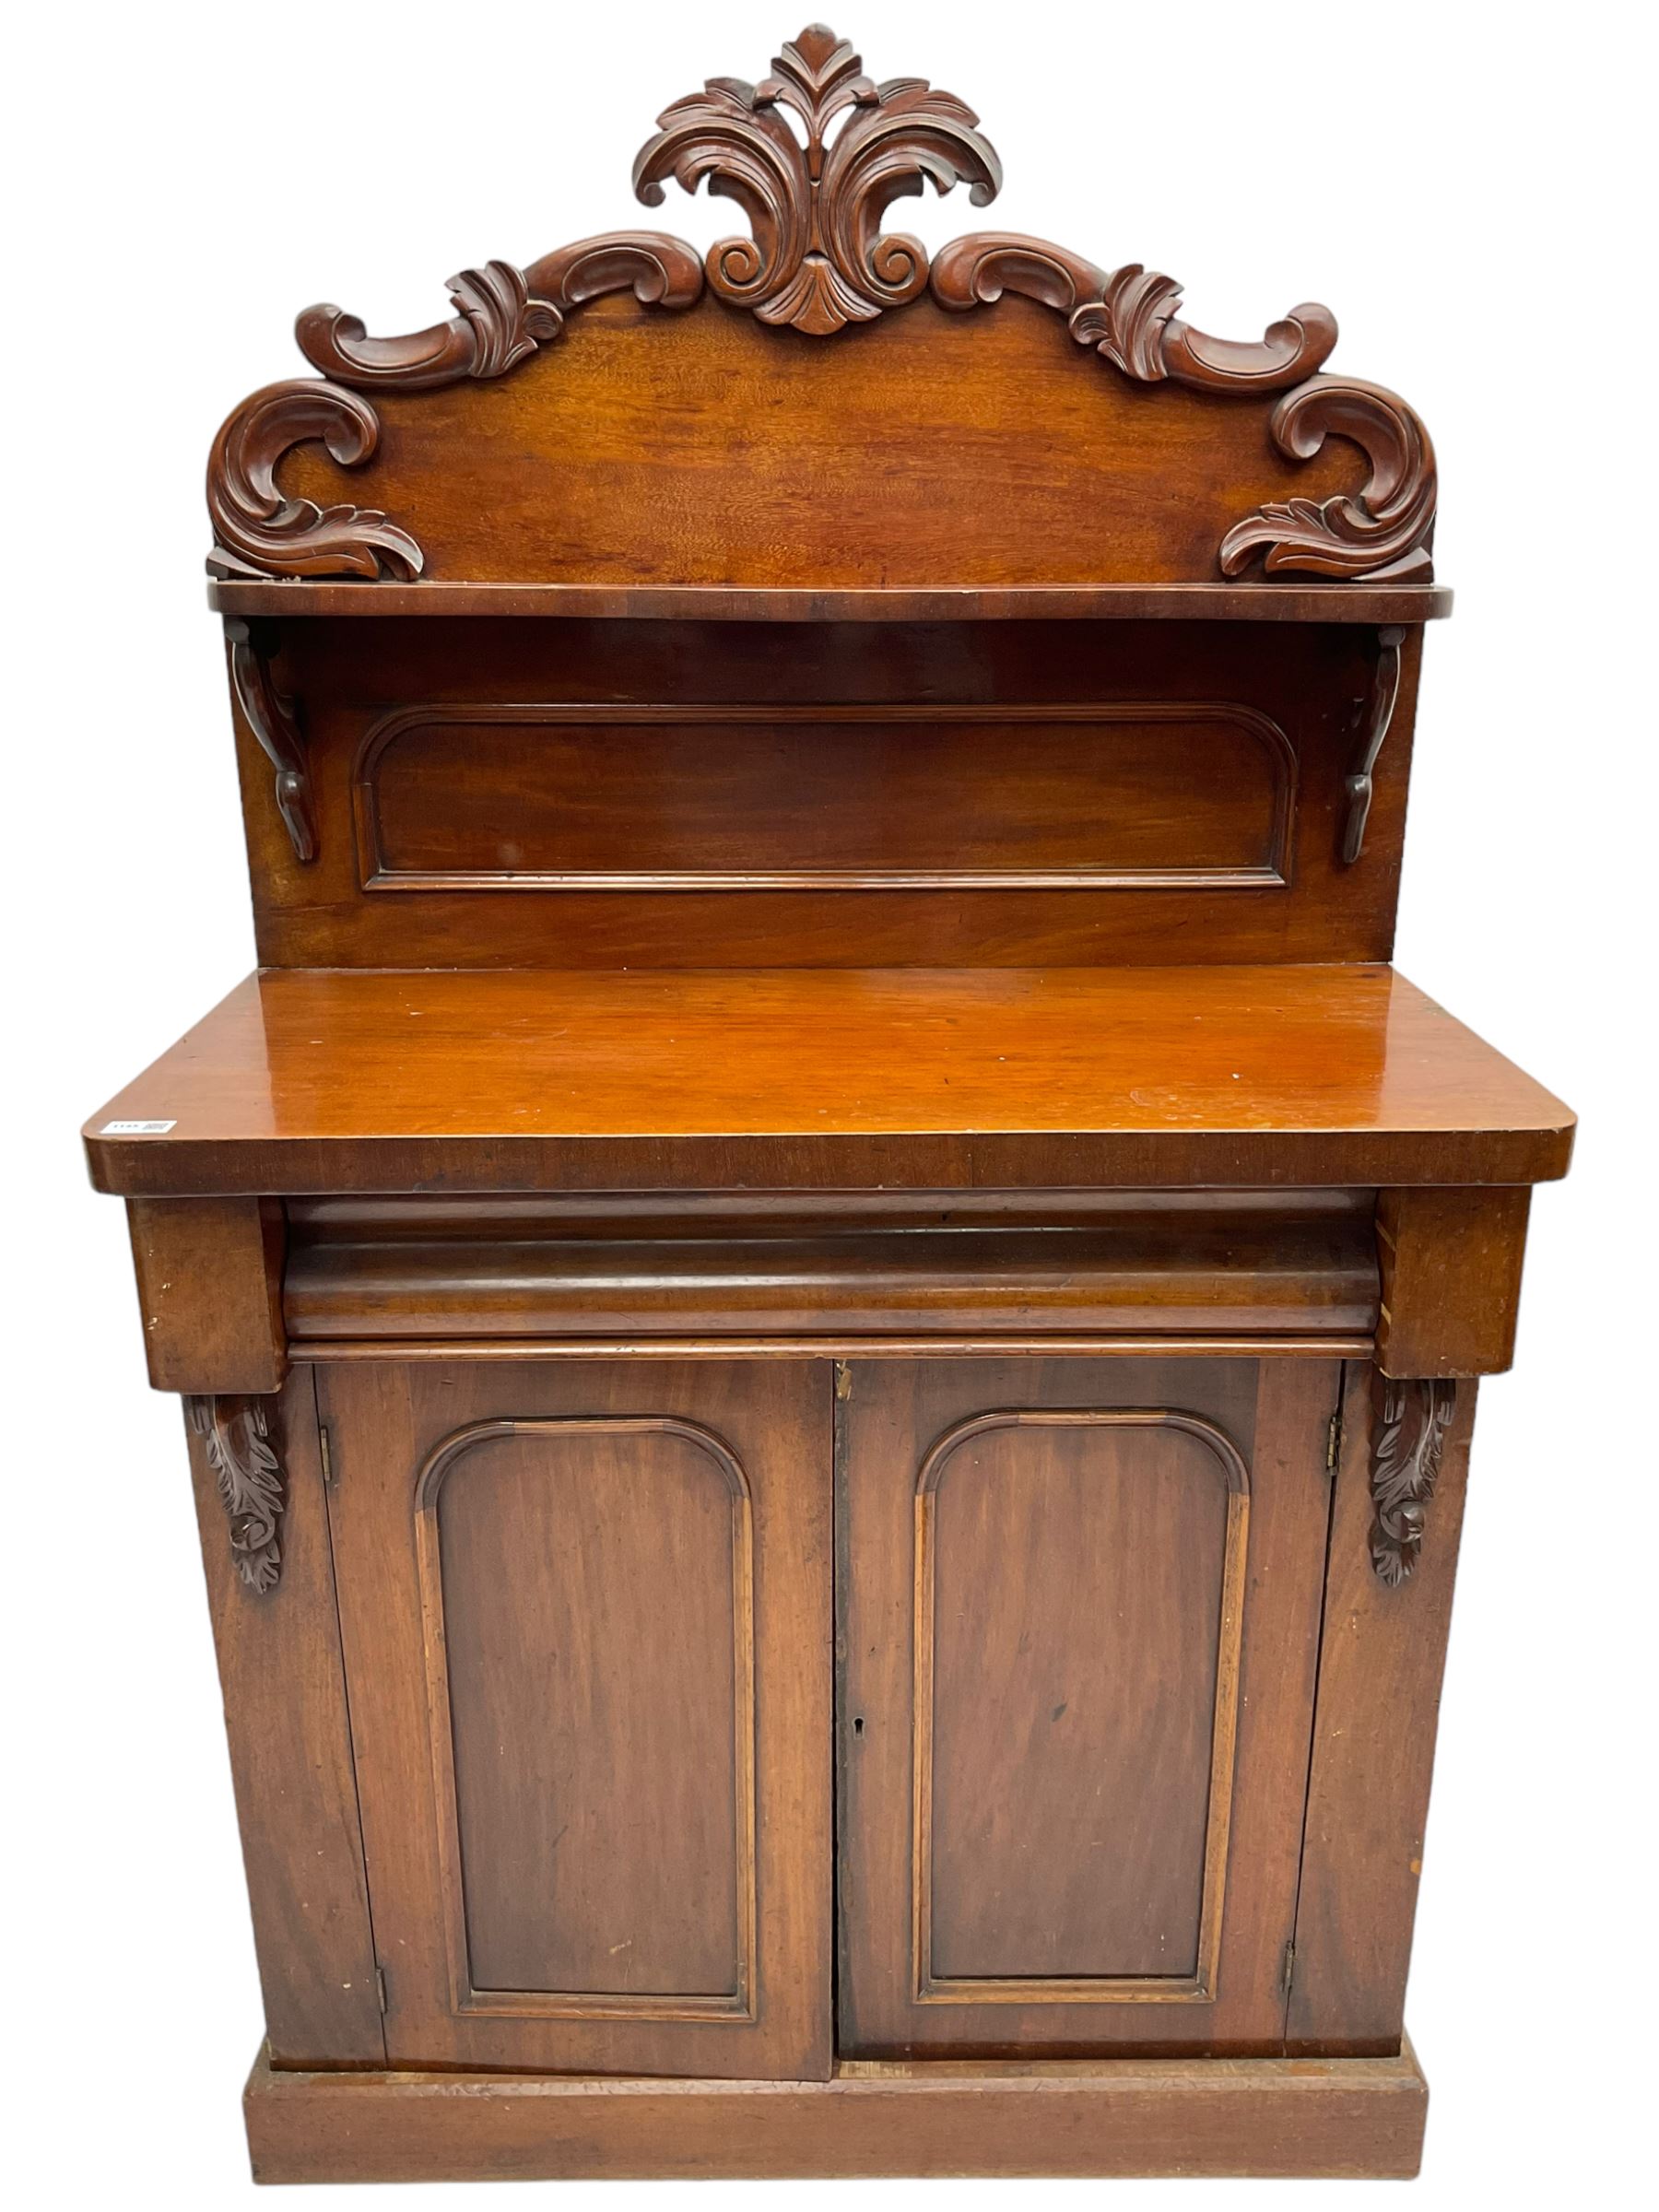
(137,1128)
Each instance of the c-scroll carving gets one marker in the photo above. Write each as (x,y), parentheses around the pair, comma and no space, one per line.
(1408,1442)
(817,258)
(236,1436)
(1379,715)
(1128,314)
(504,313)
(1383,530)
(274,718)
(258,531)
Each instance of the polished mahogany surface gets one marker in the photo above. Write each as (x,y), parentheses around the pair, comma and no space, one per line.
(306,1080)
(829,1300)
(961,603)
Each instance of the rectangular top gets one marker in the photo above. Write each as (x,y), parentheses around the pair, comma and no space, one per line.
(307,1080)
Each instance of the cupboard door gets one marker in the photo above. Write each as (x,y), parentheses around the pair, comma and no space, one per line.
(1079,1611)
(586,1618)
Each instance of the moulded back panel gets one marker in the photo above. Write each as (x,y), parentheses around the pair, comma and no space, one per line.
(568,793)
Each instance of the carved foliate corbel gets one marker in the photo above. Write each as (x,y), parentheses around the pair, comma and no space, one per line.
(1408,1436)
(235,1434)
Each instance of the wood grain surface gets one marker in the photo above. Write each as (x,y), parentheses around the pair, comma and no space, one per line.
(302,1081)
(1270,2118)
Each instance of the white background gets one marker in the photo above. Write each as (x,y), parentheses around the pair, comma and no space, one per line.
(1461,184)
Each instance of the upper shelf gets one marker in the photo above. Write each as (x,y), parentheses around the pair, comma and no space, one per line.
(307,1080)
(1375,603)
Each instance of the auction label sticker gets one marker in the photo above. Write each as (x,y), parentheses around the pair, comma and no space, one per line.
(137,1128)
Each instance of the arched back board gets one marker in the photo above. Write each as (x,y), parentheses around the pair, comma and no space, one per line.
(814,405)
(887,591)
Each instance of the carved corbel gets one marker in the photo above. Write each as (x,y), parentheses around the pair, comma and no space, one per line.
(1408,1436)
(235,1434)
(274,719)
(1379,716)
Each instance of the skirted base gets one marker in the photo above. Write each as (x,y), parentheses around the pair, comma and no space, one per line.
(1346,2118)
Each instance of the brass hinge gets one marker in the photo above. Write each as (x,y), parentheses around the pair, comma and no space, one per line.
(1334,1441)
(843,1379)
(379,1990)
(326,1450)
(1288,1974)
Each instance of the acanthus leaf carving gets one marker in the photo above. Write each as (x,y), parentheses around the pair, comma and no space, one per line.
(1407,1443)
(814,155)
(274,719)
(258,530)
(504,314)
(817,258)
(496,325)
(1381,530)
(236,1436)
(1128,314)
(658,268)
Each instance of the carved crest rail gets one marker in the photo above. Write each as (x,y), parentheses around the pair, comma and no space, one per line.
(818,264)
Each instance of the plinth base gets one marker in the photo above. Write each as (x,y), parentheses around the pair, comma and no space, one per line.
(1344,2117)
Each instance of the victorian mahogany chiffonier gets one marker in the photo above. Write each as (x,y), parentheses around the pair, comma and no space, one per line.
(827,1295)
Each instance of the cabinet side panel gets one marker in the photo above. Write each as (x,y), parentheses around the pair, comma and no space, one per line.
(290,1759)
(1382,1655)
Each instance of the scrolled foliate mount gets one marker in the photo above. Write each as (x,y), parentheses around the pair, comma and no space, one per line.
(818,262)
(818,258)
(236,1437)
(1408,1439)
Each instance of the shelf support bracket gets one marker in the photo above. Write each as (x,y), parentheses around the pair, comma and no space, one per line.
(1379,715)
(274,719)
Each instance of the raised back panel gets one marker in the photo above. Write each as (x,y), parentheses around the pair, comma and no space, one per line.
(568,793)
(627,429)
(926,448)
(1180,794)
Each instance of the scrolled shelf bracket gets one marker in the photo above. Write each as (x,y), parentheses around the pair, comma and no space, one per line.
(1378,713)
(274,719)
